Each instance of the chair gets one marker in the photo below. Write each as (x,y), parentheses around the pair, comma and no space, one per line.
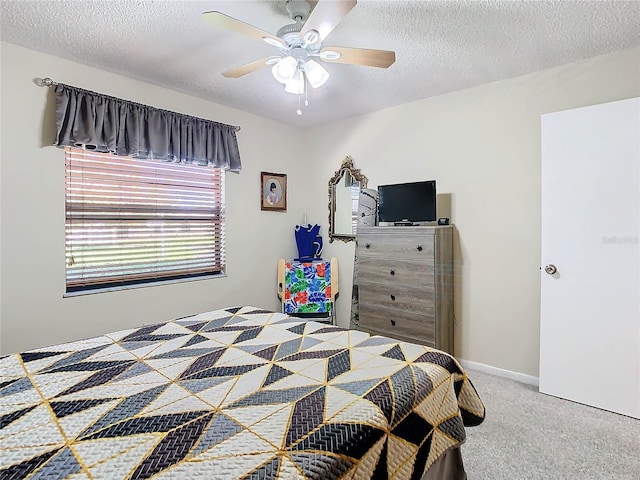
(308,289)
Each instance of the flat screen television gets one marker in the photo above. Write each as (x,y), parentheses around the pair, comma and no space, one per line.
(407,202)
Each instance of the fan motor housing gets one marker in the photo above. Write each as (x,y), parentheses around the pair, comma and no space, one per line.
(290,33)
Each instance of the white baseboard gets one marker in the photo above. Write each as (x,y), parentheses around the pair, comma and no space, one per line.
(500,372)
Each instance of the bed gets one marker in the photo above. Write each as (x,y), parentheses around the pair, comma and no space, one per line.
(237,393)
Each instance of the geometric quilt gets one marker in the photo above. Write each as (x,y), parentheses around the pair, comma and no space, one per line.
(239,393)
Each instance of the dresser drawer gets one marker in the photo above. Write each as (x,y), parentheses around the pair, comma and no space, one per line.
(411,247)
(395,336)
(393,322)
(401,272)
(413,300)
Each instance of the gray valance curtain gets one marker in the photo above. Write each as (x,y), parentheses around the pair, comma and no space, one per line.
(110,125)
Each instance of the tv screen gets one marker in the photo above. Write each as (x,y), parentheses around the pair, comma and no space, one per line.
(407,202)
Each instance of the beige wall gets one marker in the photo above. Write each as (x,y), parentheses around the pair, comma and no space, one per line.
(33,310)
(482,145)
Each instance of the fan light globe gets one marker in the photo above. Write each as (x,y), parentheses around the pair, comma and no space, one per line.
(316,73)
(284,69)
(296,84)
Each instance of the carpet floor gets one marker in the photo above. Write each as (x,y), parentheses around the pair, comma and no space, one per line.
(528,435)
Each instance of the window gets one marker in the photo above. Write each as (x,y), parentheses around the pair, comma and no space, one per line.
(132,221)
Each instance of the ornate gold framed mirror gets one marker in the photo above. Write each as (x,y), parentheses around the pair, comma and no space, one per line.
(344,191)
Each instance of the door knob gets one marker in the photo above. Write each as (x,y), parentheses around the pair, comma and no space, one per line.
(550,269)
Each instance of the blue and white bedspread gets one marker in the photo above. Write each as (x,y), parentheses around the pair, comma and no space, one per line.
(229,394)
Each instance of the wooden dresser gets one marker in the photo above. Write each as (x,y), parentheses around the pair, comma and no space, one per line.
(405,283)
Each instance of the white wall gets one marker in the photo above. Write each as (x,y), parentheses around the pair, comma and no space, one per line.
(481,145)
(33,310)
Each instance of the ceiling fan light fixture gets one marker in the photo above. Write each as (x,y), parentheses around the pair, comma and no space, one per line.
(296,84)
(316,73)
(285,69)
(330,55)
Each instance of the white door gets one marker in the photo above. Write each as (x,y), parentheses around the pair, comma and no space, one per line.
(590,308)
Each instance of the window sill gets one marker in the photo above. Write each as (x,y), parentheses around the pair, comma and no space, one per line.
(141,285)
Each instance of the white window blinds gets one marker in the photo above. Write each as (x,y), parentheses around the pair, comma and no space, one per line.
(131,221)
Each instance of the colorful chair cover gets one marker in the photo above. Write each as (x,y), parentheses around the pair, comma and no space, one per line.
(307,287)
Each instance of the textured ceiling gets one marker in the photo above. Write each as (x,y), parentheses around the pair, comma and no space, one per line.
(440,46)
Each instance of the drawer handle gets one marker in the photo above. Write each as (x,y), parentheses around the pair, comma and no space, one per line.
(392,272)
(367,245)
(393,297)
(393,322)
(419,248)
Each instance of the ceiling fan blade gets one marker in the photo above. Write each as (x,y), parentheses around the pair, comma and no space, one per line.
(326,16)
(359,56)
(222,20)
(248,68)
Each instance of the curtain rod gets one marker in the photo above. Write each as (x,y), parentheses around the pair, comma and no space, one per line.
(47,82)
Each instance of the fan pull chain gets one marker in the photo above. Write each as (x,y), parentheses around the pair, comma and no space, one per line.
(306,89)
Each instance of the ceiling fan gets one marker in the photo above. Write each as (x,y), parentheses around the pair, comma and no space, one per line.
(300,45)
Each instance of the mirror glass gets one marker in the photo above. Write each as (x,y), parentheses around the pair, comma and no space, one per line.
(344,192)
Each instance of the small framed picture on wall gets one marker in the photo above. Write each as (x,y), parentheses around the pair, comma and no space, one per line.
(273,191)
